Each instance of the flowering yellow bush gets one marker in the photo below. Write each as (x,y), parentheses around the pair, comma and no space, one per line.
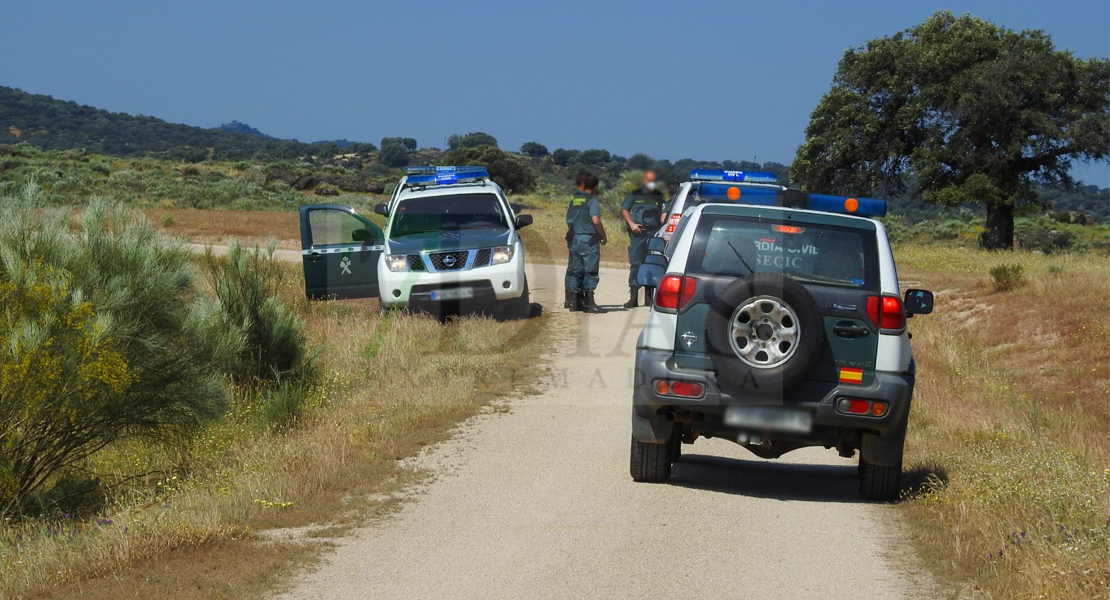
(57,368)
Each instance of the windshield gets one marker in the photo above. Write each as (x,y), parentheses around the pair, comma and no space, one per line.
(735,246)
(454,212)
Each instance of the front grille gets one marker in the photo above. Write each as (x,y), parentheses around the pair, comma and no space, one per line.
(449,261)
(481,259)
(416,263)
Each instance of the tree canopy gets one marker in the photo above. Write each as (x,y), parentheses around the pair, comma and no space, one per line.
(512,172)
(471,140)
(533,149)
(969,111)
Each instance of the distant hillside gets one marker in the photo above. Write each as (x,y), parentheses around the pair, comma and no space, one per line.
(60,125)
(237,127)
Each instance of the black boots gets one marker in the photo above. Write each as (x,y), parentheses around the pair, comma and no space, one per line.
(633,293)
(573,302)
(581,302)
(649,296)
(588,304)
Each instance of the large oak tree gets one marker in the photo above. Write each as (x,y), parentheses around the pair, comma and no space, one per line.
(963,110)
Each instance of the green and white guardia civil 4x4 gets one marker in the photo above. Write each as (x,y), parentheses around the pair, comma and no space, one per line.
(451,244)
(777,324)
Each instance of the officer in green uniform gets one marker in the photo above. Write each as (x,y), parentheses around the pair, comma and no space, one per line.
(585,234)
(643,212)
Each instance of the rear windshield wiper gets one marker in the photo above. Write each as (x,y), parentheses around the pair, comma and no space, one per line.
(738,255)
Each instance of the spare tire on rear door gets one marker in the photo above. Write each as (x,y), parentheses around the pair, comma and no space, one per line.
(764,334)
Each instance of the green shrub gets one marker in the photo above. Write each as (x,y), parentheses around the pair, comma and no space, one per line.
(103,336)
(1007,276)
(246,283)
(283,404)
(167,220)
(512,172)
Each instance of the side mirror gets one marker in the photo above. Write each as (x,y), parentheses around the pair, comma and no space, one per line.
(361,235)
(382,209)
(657,244)
(918,302)
(651,271)
(523,221)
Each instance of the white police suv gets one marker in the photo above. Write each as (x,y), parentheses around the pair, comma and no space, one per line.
(451,244)
(689,194)
(777,324)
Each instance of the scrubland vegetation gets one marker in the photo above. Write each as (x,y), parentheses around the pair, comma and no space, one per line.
(155,403)
(1009,432)
(159,408)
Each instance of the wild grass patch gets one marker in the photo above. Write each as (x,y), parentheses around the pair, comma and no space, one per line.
(281,457)
(1012,406)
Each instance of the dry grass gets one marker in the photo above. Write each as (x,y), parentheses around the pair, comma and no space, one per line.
(221,226)
(392,386)
(1012,414)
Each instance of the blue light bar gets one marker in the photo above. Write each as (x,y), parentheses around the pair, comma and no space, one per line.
(718,192)
(446,175)
(768,196)
(427,170)
(736,176)
(848,205)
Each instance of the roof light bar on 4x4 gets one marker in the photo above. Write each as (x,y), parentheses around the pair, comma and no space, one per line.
(445,175)
(736,176)
(845,205)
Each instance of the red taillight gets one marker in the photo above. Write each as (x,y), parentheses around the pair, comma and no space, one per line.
(787,229)
(684,388)
(853,406)
(675,218)
(886,312)
(667,296)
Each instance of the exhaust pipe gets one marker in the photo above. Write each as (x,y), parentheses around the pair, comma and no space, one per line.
(673,417)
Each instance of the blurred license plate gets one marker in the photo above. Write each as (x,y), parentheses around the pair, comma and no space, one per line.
(463,293)
(770,418)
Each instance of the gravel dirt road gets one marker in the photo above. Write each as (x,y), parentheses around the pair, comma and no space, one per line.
(537,502)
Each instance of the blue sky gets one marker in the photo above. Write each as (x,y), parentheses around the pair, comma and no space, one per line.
(671,79)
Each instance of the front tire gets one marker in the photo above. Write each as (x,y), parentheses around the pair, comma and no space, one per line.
(878,483)
(651,463)
(517,308)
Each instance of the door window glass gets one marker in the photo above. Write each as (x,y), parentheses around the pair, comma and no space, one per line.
(335,227)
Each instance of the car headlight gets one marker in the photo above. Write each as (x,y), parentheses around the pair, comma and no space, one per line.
(501,255)
(398,263)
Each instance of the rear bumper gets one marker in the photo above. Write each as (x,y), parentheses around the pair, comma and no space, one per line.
(830,427)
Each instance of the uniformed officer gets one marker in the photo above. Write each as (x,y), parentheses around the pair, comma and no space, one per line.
(642,211)
(585,235)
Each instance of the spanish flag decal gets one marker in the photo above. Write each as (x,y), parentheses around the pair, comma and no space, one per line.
(851,376)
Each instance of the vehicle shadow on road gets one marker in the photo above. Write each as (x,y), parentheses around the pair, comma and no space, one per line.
(773,480)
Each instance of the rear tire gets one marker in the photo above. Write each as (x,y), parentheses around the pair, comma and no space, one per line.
(878,483)
(738,376)
(651,463)
(675,447)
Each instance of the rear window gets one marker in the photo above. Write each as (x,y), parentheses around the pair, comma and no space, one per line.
(453,212)
(822,254)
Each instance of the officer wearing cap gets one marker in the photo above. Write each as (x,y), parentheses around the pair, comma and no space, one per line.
(585,235)
(643,212)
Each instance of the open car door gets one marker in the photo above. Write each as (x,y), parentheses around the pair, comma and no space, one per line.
(340,250)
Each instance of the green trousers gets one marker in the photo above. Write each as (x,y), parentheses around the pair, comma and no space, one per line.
(637,252)
(583,265)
